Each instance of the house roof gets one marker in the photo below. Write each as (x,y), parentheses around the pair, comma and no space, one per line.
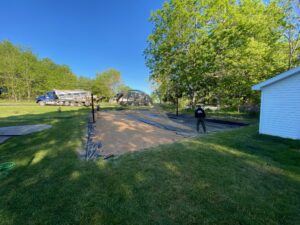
(277,78)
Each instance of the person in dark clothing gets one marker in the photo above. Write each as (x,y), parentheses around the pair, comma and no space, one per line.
(200,116)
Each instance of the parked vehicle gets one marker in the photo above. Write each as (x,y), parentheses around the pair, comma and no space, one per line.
(133,98)
(66,98)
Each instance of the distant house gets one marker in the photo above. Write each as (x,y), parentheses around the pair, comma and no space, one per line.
(280,105)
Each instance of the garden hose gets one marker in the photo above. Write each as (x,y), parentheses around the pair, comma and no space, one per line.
(5,168)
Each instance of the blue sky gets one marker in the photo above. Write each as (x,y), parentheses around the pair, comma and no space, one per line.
(88,35)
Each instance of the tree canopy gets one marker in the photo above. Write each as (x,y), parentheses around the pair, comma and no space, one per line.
(25,76)
(215,50)
(107,83)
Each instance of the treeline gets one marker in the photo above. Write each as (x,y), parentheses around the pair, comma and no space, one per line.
(105,85)
(213,51)
(23,76)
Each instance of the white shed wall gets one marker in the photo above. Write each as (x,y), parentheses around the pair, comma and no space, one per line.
(280,108)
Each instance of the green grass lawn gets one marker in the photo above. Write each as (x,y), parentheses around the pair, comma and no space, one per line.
(5,101)
(236,177)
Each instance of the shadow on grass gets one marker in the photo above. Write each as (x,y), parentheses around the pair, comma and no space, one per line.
(192,182)
(281,152)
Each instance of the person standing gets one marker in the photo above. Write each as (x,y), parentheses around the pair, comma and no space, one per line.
(200,116)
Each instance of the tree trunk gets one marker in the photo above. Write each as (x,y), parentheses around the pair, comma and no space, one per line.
(194,101)
(218,103)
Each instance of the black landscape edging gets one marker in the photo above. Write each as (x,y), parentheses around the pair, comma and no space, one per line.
(92,149)
(228,122)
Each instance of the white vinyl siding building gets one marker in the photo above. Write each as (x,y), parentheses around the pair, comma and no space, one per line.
(280,105)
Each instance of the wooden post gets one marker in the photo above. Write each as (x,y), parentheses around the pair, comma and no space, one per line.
(177,97)
(177,106)
(93,110)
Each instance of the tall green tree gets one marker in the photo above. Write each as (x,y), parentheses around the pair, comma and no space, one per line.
(106,83)
(85,83)
(247,44)
(123,88)
(292,31)
(25,76)
(215,50)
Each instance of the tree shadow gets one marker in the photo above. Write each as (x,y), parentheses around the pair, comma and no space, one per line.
(280,151)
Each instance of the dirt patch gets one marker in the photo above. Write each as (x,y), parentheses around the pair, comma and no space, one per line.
(119,134)
(131,130)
